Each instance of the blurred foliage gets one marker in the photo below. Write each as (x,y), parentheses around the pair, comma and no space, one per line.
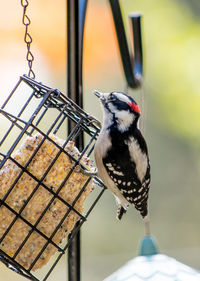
(193,5)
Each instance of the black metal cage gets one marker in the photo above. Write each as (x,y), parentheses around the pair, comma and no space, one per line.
(33,108)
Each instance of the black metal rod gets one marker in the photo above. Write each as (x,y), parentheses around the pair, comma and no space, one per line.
(76,11)
(131,62)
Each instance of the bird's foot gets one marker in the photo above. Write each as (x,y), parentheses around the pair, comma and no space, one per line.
(79,169)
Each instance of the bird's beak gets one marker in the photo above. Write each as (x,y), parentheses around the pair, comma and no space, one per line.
(100,95)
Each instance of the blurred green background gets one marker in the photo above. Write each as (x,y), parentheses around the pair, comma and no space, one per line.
(170,101)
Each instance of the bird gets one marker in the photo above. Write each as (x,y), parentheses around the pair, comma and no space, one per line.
(121,153)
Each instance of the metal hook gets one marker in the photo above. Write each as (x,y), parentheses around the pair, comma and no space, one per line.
(132,63)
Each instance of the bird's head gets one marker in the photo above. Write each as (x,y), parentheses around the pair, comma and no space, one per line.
(120,108)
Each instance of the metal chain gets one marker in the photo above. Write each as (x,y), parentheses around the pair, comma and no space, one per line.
(28,39)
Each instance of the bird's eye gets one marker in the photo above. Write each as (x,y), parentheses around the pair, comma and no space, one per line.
(112,97)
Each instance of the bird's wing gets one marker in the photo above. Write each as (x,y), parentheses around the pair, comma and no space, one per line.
(123,172)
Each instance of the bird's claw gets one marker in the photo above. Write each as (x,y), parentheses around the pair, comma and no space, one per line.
(93,120)
(79,169)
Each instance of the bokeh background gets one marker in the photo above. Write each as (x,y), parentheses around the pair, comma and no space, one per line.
(170,100)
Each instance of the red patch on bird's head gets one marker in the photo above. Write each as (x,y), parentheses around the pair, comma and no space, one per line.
(135,107)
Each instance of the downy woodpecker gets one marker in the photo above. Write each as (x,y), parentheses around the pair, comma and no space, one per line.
(121,153)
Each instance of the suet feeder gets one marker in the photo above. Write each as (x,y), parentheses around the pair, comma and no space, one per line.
(35,169)
(152,266)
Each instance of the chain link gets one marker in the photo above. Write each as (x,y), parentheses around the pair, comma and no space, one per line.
(28,39)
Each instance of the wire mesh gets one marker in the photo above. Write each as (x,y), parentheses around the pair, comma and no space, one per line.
(33,109)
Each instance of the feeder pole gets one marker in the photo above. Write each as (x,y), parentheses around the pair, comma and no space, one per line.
(76,11)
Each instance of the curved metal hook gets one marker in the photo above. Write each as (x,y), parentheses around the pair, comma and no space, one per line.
(132,63)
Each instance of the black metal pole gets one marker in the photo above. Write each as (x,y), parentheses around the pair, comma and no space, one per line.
(76,11)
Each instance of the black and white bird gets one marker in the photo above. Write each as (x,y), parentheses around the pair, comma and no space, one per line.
(121,153)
